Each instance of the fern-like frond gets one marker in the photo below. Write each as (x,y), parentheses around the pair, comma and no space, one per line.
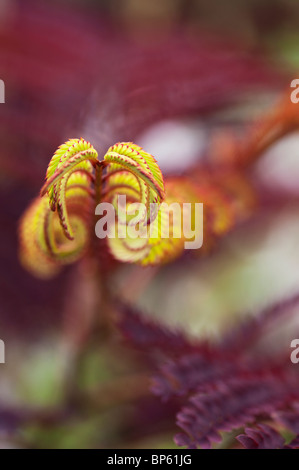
(55,229)
(58,225)
(127,161)
(73,157)
(44,247)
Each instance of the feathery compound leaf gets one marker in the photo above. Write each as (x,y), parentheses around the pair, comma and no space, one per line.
(230,404)
(265,437)
(157,245)
(34,252)
(261,437)
(164,239)
(75,156)
(43,244)
(130,157)
(135,173)
(146,334)
(156,235)
(55,229)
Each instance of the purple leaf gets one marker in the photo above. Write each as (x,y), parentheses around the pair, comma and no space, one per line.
(147,334)
(229,404)
(261,437)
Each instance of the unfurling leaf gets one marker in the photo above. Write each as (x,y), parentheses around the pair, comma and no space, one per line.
(44,247)
(261,437)
(57,228)
(70,169)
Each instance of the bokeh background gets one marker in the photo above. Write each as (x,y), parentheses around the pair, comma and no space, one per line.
(168,75)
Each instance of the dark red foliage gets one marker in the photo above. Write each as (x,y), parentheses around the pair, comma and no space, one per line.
(231,403)
(248,332)
(265,437)
(150,336)
(289,418)
(261,437)
(70,73)
(67,75)
(219,388)
(190,372)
